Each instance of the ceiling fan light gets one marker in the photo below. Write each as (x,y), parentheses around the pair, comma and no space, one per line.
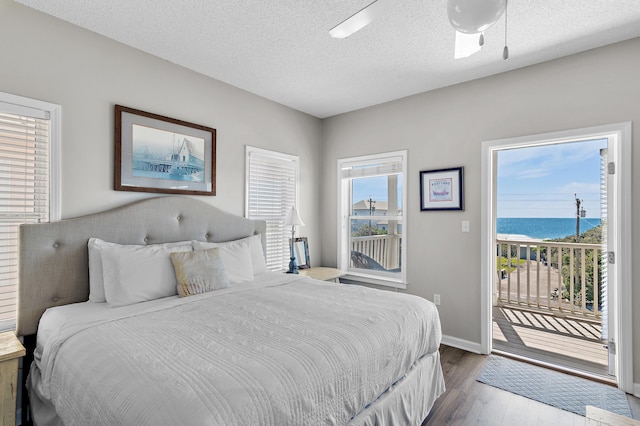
(474,16)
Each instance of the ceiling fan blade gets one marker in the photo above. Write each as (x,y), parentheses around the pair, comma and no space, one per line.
(467,44)
(361,19)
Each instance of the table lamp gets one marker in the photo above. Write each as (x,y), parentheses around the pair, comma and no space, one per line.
(293,220)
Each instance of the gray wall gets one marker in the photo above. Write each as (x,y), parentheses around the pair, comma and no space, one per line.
(50,60)
(445,128)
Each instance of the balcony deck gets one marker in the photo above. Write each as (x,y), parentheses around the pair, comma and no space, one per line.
(567,342)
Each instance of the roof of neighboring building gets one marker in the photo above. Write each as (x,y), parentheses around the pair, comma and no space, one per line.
(364,205)
(517,237)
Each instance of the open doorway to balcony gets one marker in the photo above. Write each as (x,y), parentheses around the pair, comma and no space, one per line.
(551,223)
(553,214)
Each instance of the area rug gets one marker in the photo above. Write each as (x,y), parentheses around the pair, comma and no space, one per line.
(560,390)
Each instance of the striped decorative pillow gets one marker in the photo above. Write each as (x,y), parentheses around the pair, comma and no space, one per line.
(199,271)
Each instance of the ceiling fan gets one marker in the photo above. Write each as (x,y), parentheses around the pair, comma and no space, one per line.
(470,18)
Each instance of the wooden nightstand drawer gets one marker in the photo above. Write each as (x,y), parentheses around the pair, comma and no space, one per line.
(11,350)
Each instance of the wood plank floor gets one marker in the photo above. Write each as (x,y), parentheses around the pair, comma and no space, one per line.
(468,402)
(570,343)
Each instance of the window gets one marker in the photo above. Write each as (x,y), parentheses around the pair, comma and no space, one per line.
(29,183)
(272,189)
(372,229)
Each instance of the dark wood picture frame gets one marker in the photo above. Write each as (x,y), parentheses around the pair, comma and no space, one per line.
(442,189)
(154,153)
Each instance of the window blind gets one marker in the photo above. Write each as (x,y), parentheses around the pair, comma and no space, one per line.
(24,191)
(380,167)
(272,185)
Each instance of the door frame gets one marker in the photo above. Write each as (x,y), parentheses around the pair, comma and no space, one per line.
(623,218)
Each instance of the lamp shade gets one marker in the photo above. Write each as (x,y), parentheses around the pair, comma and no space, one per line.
(293,218)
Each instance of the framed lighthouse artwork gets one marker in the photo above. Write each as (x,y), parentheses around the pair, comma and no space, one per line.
(441,189)
(159,154)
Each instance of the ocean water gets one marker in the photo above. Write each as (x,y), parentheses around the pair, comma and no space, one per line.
(544,228)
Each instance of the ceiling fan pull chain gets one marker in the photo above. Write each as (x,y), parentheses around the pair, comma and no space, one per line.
(481,40)
(505,51)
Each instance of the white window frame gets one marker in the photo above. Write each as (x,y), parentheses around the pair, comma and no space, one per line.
(274,241)
(19,105)
(390,279)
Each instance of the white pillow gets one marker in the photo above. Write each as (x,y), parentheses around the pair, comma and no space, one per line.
(257,254)
(96,248)
(236,257)
(136,274)
(255,245)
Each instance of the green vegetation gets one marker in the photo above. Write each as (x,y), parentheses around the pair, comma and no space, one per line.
(366,230)
(503,263)
(592,236)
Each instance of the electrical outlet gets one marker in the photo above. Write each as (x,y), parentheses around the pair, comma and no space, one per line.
(436,299)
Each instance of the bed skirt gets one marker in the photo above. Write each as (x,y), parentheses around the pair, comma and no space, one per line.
(410,399)
(407,402)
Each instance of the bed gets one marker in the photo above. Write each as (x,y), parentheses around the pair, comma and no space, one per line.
(268,348)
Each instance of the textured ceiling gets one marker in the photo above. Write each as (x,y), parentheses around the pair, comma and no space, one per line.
(281,49)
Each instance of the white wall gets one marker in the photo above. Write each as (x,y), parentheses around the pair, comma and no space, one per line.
(51,60)
(445,128)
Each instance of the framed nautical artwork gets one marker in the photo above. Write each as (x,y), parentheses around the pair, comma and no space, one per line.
(159,154)
(441,189)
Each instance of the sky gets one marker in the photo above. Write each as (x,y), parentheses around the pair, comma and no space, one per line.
(373,187)
(541,181)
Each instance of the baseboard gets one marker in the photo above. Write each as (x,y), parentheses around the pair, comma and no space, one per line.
(636,390)
(461,344)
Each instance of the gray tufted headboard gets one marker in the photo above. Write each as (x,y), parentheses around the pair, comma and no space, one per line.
(53,258)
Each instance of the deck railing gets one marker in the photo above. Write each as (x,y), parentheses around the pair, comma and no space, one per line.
(558,277)
(384,249)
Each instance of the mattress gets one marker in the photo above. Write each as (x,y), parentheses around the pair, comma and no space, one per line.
(281,350)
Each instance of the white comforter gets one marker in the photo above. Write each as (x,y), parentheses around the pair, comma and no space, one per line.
(284,351)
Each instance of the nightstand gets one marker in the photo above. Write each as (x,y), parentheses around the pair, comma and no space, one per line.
(323,274)
(11,350)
